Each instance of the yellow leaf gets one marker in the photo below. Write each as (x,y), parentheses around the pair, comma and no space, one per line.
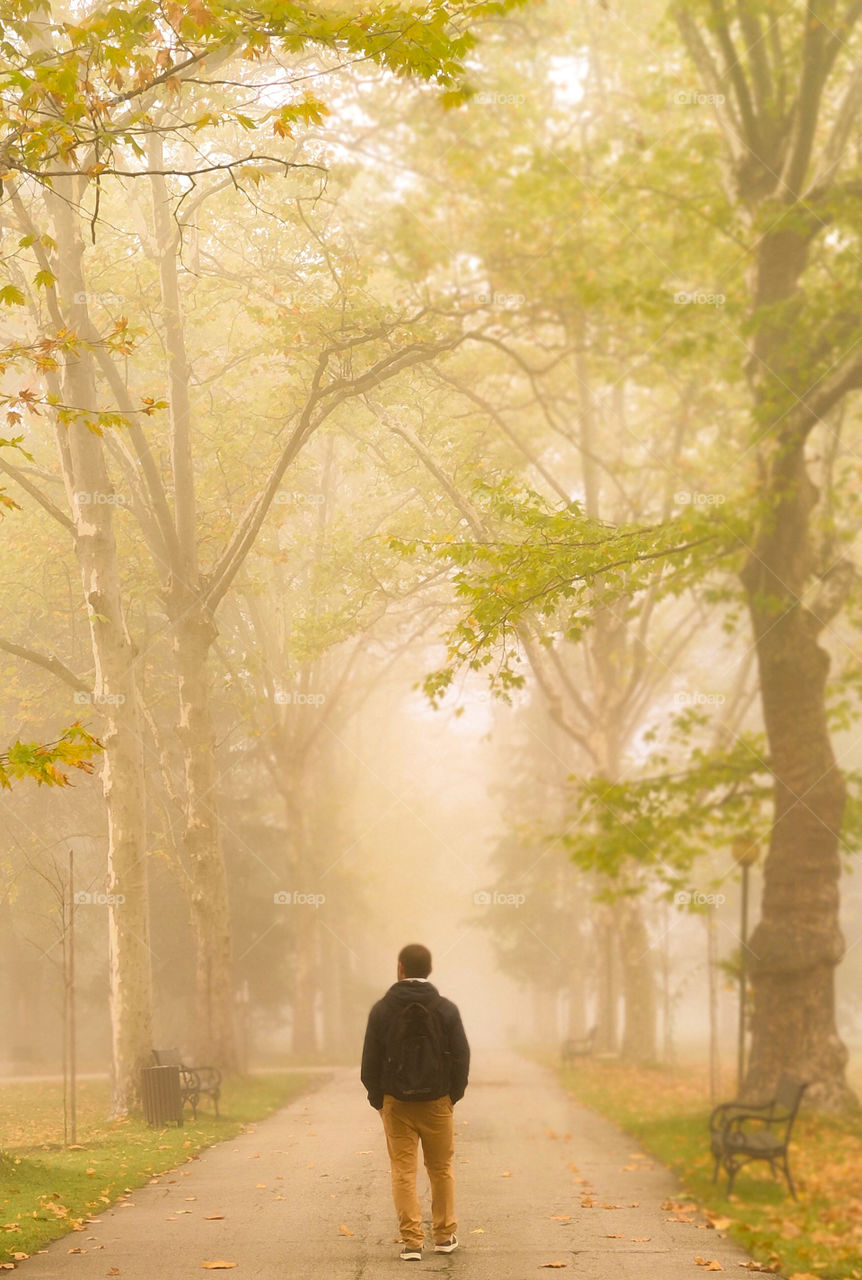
(218,1265)
(345,1231)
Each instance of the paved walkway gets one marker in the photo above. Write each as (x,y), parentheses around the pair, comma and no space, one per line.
(540,1180)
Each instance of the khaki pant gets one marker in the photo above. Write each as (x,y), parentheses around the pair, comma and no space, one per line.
(406,1124)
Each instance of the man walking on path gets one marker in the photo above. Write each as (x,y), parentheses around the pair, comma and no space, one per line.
(415,1063)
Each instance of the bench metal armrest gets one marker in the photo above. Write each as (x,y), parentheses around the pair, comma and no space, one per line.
(189,1079)
(736,1122)
(725,1112)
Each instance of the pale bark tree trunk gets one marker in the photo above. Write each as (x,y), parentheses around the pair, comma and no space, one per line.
(712,984)
(193,633)
(215,1032)
(607,1032)
(638,982)
(85,473)
(577,1007)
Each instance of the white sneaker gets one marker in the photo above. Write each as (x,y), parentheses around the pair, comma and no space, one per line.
(447,1246)
(410,1253)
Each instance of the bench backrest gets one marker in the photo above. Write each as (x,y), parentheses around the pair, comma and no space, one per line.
(788,1094)
(167,1057)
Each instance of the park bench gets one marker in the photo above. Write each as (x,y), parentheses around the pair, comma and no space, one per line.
(744,1131)
(578,1048)
(194,1081)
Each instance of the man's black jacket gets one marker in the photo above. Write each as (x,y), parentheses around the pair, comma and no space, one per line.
(373,1072)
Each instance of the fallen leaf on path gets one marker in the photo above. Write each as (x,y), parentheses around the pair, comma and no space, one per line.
(506,1174)
(552,1264)
(641,1239)
(190,1197)
(345,1231)
(19,1257)
(634,1204)
(213,1217)
(478,1231)
(720,1223)
(76,1250)
(112,1271)
(363,1153)
(218,1265)
(709,1264)
(615,1236)
(803,1275)
(561,1217)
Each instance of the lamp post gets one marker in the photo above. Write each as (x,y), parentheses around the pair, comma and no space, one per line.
(745,853)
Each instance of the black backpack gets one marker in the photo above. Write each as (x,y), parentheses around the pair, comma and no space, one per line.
(416,1057)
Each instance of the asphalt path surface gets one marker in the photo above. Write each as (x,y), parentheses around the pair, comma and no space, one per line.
(305,1194)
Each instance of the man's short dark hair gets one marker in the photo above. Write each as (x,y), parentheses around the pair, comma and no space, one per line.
(415,960)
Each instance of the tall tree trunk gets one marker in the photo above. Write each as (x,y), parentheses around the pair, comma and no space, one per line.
(301,863)
(638,981)
(797,942)
(607,1034)
(305,982)
(712,986)
(193,632)
(576,1027)
(89,490)
(215,1033)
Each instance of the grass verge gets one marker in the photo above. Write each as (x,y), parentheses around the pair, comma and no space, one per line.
(47,1189)
(818,1238)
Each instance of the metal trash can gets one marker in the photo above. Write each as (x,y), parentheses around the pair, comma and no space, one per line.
(160,1095)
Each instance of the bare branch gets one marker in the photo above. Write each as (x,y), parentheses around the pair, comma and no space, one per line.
(48,662)
(16,474)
